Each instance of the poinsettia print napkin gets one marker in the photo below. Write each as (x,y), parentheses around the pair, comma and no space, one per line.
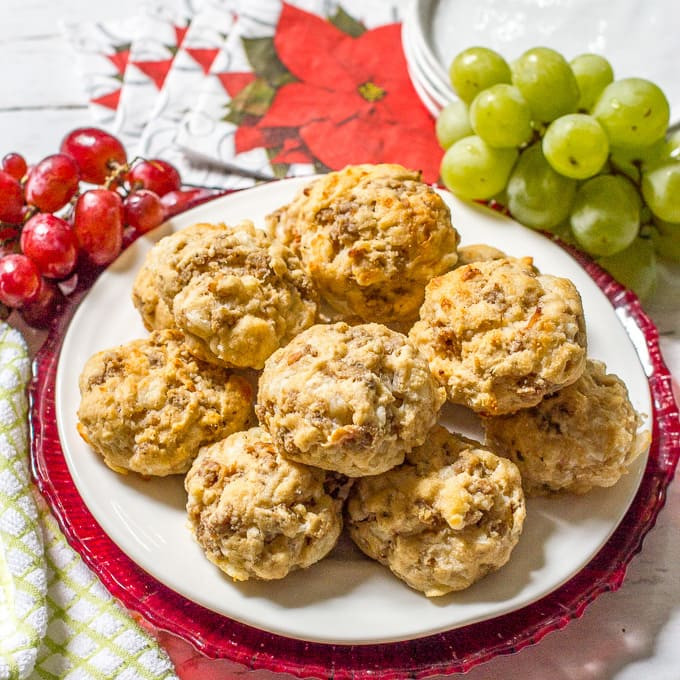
(303,87)
(206,34)
(103,51)
(162,26)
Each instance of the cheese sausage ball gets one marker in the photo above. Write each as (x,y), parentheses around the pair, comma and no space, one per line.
(500,336)
(450,514)
(583,436)
(145,296)
(149,405)
(352,399)
(235,295)
(256,514)
(478,252)
(370,237)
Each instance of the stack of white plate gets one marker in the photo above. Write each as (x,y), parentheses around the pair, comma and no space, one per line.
(430,78)
(639,37)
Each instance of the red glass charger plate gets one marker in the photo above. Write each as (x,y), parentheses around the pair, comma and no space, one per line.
(444,652)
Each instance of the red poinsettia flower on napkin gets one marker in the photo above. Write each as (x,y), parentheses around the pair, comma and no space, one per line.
(336,97)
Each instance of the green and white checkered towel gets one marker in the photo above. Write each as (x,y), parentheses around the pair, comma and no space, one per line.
(56,619)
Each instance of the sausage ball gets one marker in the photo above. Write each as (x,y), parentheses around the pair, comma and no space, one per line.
(235,294)
(583,436)
(352,399)
(256,514)
(149,405)
(370,237)
(146,298)
(499,335)
(446,517)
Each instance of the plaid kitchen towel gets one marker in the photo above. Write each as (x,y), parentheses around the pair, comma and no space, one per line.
(56,619)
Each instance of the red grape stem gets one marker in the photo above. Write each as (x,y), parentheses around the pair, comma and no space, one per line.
(70,207)
(30,211)
(7,239)
(118,171)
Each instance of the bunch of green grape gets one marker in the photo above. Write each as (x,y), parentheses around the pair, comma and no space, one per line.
(567,149)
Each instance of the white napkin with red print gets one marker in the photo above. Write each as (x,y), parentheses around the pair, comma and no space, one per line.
(235,91)
(303,87)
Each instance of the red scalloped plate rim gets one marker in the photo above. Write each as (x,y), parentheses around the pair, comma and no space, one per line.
(450,652)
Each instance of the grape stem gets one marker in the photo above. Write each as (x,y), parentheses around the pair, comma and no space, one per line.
(71,206)
(32,210)
(7,239)
(118,170)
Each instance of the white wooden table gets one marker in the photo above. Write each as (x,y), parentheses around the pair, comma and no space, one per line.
(632,634)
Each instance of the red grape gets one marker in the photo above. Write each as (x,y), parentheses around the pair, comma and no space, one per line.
(14,164)
(11,199)
(95,152)
(177,201)
(50,242)
(19,280)
(98,225)
(156,175)
(41,307)
(143,210)
(52,183)
(9,239)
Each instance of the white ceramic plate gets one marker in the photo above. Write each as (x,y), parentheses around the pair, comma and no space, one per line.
(639,37)
(346,598)
(441,93)
(430,69)
(427,96)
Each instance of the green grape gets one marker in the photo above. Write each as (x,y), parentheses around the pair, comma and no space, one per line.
(564,233)
(593,73)
(538,196)
(472,169)
(605,217)
(661,191)
(635,267)
(576,145)
(633,111)
(453,123)
(673,142)
(475,69)
(547,82)
(666,239)
(501,117)
(632,162)
(655,154)
(619,163)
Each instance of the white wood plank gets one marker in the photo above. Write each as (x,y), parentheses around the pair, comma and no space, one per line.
(42,74)
(36,19)
(38,133)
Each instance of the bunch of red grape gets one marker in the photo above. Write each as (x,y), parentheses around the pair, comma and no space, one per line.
(50,224)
